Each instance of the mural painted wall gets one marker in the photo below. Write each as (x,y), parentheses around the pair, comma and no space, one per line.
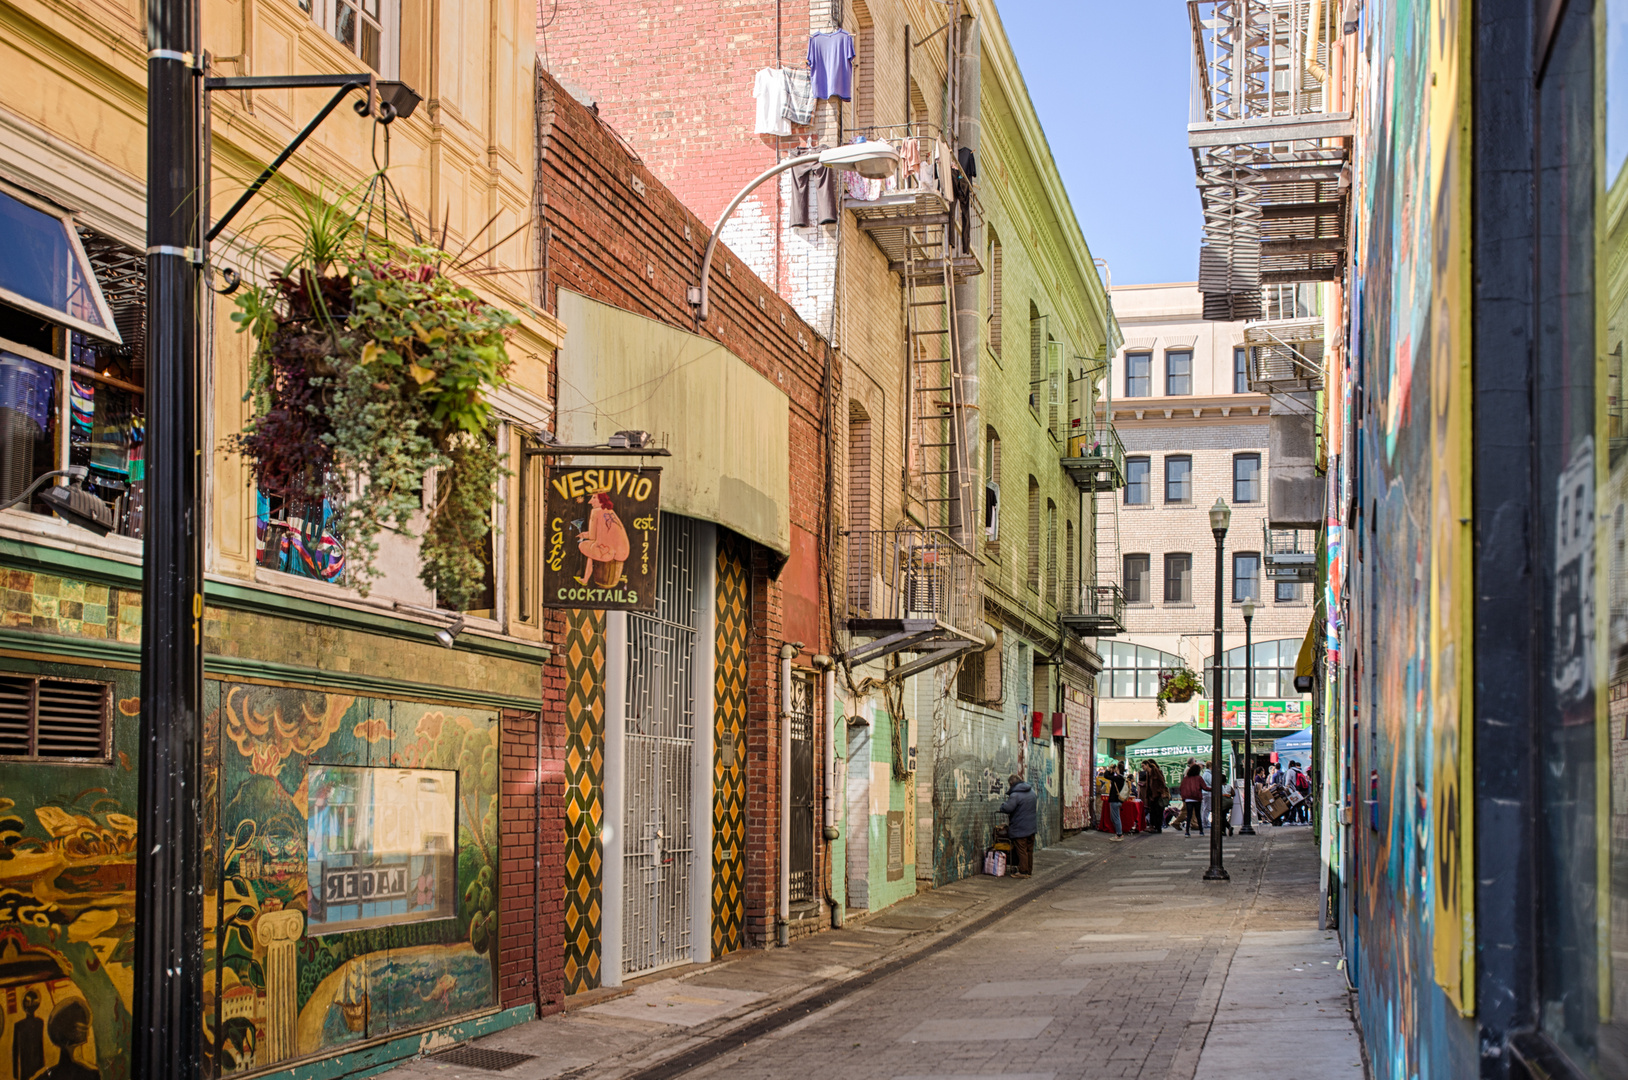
(880,852)
(1414,902)
(972,752)
(419,884)
(67,900)
(279,983)
(1079,760)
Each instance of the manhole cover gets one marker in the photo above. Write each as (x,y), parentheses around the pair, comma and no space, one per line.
(478,1057)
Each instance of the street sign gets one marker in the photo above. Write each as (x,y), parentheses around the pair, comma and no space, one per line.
(600,540)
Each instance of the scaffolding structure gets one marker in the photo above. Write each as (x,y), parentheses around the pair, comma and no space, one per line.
(1271,161)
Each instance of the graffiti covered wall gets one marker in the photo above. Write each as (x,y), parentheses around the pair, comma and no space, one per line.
(1415,920)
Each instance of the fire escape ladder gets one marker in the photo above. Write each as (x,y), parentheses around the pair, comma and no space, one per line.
(939,481)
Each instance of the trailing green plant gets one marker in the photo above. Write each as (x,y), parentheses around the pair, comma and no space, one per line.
(1179,687)
(371,368)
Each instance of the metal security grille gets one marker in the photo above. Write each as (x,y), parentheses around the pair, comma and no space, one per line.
(58,719)
(660,741)
(802,790)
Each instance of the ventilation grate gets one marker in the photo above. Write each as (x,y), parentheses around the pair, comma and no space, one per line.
(71,720)
(479,1057)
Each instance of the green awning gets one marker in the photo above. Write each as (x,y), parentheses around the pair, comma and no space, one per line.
(1175,741)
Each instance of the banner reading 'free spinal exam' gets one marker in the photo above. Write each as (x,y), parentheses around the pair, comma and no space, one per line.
(600,546)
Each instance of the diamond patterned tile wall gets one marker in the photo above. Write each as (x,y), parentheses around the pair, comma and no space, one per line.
(729,746)
(584,796)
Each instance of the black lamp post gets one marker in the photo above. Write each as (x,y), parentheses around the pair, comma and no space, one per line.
(168,936)
(1220,518)
(1249,717)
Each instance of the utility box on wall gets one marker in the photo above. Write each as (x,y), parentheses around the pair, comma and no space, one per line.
(1294,490)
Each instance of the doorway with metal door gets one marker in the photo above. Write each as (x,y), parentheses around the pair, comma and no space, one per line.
(801,791)
(658,846)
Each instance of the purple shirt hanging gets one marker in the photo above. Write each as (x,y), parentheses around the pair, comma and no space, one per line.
(831,64)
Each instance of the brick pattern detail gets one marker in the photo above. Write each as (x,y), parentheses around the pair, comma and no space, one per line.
(520,845)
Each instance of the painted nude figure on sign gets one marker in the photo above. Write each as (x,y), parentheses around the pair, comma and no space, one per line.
(605,542)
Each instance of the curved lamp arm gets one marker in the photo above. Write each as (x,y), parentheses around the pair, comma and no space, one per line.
(698,296)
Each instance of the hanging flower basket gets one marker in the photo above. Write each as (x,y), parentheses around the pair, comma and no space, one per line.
(1179,687)
(370,370)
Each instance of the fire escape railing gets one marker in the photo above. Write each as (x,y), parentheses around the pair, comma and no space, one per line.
(1270,159)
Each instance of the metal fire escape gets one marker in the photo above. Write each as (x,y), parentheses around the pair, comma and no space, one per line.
(1095,459)
(917,588)
(1271,162)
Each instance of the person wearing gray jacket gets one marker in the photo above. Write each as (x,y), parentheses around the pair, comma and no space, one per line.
(1020,811)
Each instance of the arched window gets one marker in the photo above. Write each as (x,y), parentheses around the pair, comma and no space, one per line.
(1051,552)
(992,489)
(1274,669)
(1033,553)
(1132,671)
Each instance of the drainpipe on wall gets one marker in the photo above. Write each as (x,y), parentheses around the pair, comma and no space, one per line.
(828,721)
(968,324)
(783,918)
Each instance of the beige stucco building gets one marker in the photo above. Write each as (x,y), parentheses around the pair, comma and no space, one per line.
(1193,432)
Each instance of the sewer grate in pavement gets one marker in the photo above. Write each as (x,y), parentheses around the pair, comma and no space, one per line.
(479,1057)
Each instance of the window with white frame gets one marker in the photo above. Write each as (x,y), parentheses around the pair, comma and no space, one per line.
(72,368)
(369,29)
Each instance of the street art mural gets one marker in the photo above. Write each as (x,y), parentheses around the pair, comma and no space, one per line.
(1415,913)
(67,904)
(355,870)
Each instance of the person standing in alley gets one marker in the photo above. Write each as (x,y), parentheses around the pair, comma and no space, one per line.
(1155,796)
(1116,800)
(1192,797)
(1021,819)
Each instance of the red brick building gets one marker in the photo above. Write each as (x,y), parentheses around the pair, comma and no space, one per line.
(663,734)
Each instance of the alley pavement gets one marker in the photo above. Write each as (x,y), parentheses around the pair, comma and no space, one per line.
(1114,960)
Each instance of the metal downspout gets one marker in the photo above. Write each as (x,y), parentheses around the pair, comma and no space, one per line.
(969,326)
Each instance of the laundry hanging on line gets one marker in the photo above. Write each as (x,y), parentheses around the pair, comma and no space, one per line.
(831,64)
(770,90)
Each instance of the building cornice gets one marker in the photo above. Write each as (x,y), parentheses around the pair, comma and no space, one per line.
(1218,409)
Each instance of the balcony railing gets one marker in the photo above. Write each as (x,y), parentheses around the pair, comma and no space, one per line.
(1290,554)
(1094,610)
(1285,357)
(911,574)
(1096,455)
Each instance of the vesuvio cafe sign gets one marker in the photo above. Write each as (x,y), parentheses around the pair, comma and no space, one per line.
(600,548)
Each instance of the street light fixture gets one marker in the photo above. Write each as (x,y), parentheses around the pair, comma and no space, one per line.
(872,160)
(1249,716)
(1220,519)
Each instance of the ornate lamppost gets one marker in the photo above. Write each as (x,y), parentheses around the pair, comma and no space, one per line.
(1249,717)
(1220,519)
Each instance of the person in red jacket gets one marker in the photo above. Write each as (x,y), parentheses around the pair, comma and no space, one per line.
(1193,788)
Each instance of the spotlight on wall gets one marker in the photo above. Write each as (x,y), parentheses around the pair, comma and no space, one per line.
(399,98)
(448,634)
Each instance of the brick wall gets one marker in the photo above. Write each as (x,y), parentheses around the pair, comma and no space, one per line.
(519,910)
(620,236)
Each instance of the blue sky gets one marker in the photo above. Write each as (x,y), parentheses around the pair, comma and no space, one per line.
(1109,79)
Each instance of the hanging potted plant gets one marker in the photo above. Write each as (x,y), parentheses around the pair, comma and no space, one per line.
(370,371)
(1179,686)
